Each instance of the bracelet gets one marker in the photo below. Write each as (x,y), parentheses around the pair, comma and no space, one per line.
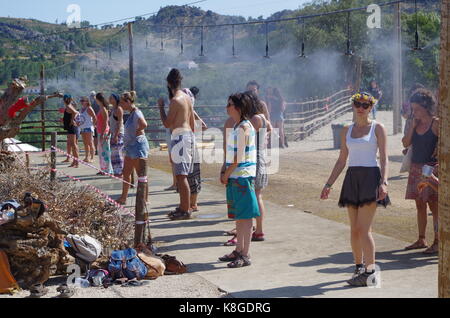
(327,185)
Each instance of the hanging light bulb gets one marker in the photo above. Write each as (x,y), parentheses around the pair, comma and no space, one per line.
(416,35)
(181,41)
(234,44)
(349,51)
(201,44)
(303,39)
(267,41)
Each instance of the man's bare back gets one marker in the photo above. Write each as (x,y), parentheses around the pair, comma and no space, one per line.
(181,113)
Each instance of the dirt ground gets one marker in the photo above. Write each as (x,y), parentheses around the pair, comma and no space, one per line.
(305,167)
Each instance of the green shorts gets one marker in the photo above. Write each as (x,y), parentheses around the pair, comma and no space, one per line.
(241,199)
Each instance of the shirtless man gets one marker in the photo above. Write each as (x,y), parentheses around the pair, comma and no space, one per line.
(180,121)
(254,87)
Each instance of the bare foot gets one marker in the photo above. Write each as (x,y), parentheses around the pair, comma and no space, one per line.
(121,201)
(65,161)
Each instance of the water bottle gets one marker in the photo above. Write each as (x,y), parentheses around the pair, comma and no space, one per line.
(81,282)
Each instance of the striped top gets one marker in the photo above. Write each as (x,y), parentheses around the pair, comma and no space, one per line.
(246,168)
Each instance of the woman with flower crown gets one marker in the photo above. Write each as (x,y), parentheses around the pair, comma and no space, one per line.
(365,183)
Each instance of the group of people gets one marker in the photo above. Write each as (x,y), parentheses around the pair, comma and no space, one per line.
(122,145)
(117,138)
(366,181)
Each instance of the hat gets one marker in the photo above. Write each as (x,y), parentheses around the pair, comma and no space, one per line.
(67,96)
(93,93)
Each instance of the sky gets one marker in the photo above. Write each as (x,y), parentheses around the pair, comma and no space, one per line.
(99,11)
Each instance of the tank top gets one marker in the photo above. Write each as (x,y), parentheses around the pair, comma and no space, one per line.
(100,128)
(424,146)
(261,145)
(131,126)
(85,119)
(114,122)
(67,120)
(362,151)
(246,168)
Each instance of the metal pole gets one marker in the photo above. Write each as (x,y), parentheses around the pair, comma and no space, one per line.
(234,48)
(42,83)
(130,38)
(53,156)
(398,86)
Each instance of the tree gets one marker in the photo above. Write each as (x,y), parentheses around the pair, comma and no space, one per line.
(444,155)
(10,127)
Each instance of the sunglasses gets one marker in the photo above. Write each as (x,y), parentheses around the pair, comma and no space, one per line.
(363,105)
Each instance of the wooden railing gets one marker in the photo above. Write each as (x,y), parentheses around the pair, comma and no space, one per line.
(301,119)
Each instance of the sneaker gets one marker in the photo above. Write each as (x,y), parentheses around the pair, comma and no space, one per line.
(363,280)
(358,271)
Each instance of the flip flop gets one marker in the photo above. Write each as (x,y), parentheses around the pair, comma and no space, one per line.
(433,249)
(65,291)
(135,283)
(231,242)
(38,290)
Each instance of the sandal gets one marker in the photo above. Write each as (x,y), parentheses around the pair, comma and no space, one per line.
(258,237)
(231,242)
(433,249)
(230,257)
(231,233)
(194,209)
(38,290)
(179,215)
(416,246)
(241,261)
(65,291)
(134,283)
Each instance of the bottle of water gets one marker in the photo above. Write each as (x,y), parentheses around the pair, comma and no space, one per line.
(81,282)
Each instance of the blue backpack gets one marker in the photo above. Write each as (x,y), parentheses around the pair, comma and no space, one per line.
(125,263)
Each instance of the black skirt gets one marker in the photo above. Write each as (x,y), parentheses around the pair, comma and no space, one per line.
(360,187)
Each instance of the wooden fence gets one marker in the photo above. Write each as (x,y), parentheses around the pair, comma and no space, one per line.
(301,119)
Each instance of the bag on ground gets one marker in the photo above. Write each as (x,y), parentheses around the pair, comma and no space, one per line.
(155,265)
(125,263)
(85,247)
(8,284)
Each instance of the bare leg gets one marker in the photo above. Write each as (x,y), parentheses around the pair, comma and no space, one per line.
(194,197)
(364,221)
(127,169)
(185,193)
(355,237)
(87,147)
(434,248)
(421,224)
(244,236)
(262,210)
(72,140)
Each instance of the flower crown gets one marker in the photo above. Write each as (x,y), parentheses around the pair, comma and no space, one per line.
(364,97)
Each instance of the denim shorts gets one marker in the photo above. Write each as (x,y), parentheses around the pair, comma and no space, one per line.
(138,149)
(87,130)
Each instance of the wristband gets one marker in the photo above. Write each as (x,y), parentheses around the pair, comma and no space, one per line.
(327,185)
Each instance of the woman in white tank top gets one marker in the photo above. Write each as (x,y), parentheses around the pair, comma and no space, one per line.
(365,183)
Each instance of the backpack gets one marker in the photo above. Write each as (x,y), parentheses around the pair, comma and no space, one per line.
(154,264)
(125,263)
(85,248)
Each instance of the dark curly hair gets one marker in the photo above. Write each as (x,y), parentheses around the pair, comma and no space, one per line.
(243,103)
(424,98)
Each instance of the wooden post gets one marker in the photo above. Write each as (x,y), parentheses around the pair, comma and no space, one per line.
(397,100)
(444,155)
(42,83)
(53,156)
(27,162)
(141,201)
(131,55)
